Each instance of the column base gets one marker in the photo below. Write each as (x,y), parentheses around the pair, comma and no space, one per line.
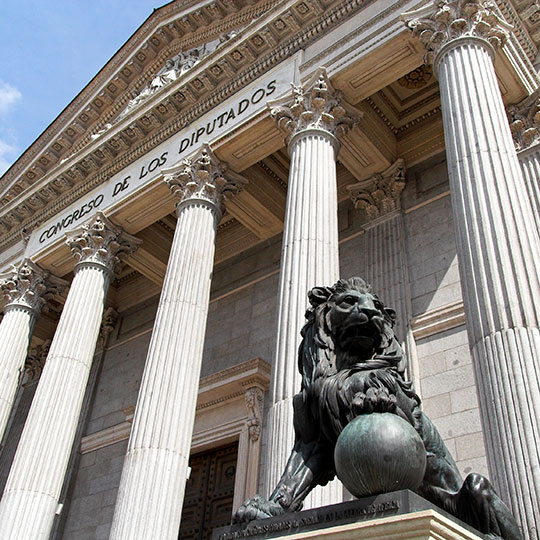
(390,516)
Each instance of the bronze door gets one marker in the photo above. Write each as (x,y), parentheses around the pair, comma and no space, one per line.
(209,493)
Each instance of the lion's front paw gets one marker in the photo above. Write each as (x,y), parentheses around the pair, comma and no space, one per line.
(256,508)
(374,400)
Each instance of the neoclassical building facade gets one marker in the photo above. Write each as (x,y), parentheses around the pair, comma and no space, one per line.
(158,241)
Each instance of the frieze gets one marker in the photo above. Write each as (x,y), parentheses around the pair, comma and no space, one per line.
(141,171)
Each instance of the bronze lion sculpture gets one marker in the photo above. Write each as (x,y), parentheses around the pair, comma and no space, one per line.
(352,364)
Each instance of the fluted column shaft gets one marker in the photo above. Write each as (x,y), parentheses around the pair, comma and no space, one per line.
(151,494)
(155,470)
(15,333)
(27,288)
(310,252)
(498,250)
(32,491)
(309,257)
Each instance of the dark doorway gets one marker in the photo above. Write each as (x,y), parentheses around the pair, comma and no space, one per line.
(209,493)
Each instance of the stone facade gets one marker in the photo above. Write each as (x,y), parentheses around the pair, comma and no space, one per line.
(227,194)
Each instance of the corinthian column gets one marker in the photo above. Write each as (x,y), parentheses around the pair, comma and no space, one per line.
(497,242)
(27,289)
(313,117)
(151,495)
(525,126)
(30,498)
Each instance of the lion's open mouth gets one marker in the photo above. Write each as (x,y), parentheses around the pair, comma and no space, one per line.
(361,335)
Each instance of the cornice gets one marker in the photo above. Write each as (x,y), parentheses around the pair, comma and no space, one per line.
(295,25)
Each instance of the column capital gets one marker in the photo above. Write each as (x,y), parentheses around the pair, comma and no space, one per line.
(524,119)
(314,106)
(30,287)
(442,22)
(202,178)
(380,194)
(99,242)
(35,361)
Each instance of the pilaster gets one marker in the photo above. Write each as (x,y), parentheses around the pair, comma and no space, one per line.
(33,488)
(312,117)
(151,493)
(498,249)
(249,447)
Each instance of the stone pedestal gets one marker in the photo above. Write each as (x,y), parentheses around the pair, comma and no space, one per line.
(391,516)
(32,491)
(27,288)
(151,493)
(313,117)
(498,244)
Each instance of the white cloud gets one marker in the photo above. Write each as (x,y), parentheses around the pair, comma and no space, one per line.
(8,154)
(9,95)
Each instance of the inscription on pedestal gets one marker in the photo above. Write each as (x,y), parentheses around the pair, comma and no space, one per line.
(368,508)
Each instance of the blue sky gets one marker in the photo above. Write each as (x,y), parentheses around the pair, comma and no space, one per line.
(50,50)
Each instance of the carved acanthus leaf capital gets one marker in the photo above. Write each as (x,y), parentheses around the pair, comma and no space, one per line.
(524,119)
(102,243)
(29,286)
(442,21)
(254,403)
(315,105)
(203,177)
(35,361)
(380,194)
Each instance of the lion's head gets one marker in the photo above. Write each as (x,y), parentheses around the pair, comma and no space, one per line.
(347,325)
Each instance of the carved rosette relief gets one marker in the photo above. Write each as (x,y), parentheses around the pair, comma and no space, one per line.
(524,119)
(203,178)
(36,360)
(29,286)
(254,403)
(380,194)
(443,21)
(314,106)
(100,242)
